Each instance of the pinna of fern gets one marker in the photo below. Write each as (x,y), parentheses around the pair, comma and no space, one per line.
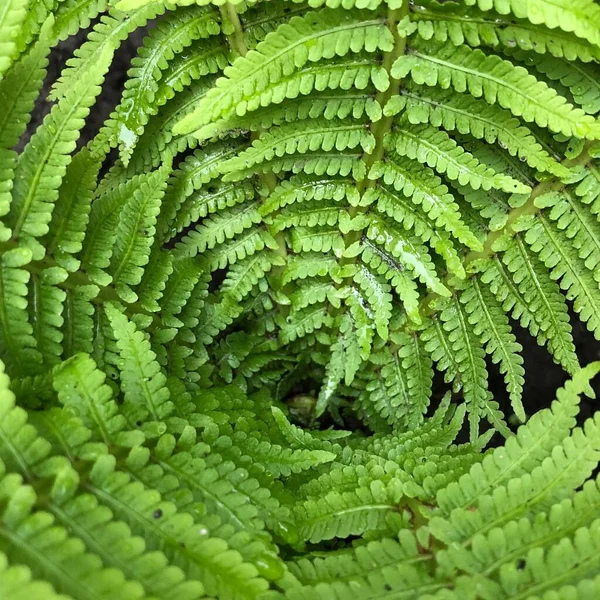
(365,191)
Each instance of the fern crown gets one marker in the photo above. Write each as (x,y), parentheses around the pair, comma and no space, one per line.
(341,198)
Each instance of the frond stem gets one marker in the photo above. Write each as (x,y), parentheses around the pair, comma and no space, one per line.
(238,44)
(382,127)
(529,207)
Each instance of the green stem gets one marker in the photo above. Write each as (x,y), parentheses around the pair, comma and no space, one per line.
(236,38)
(238,45)
(552,185)
(382,127)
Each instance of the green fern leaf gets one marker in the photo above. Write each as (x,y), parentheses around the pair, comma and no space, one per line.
(43,163)
(581,17)
(492,327)
(425,188)
(141,378)
(171,36)
(471,116)
(19,347)
(135,233)
(497,81)
(71,213)
(310,137)
(460,351)
(80,386)
(523,452)
(556,253)
(368,508)
(18,90)
(528,290)
(17,581)
(12,16)
(104,39)
(307,39)
(439,151)
(496,29)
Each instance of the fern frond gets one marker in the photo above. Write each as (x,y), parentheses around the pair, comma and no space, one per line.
(304,138)
(309,265)
(330,89)
(527,289)
(301,188)
(47,312)
(81,386)
(12,16)
(73,15)
(305,322)
(247,244)
(71,212)
(471,116)
(568,466)
(404,212)
(50,549)
(438,150)
(310,214)
(369,508)
(106,36)
(185,540)
(580,17)
(171,36)
(135,233)
(281,461)
(245,274)
(43,163)
(497,29)
(100,243)
(79,323)
(491,325)
(310,38)
(318,239)
(141,378)
(561,521)
(588,189)
(564,263)
(403,283)
(19,347)
(18,91)
(377,294)
(453,345)
(406,249)
(580,79)
(403,385)
(212,199)
(216,229)
(358,564)
(17,580)
(523,452)
(191,176)
(497,81)
(248,317)
(422,186)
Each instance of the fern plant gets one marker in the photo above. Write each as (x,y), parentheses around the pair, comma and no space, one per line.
(297,210)
(145,490)
(345,196)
